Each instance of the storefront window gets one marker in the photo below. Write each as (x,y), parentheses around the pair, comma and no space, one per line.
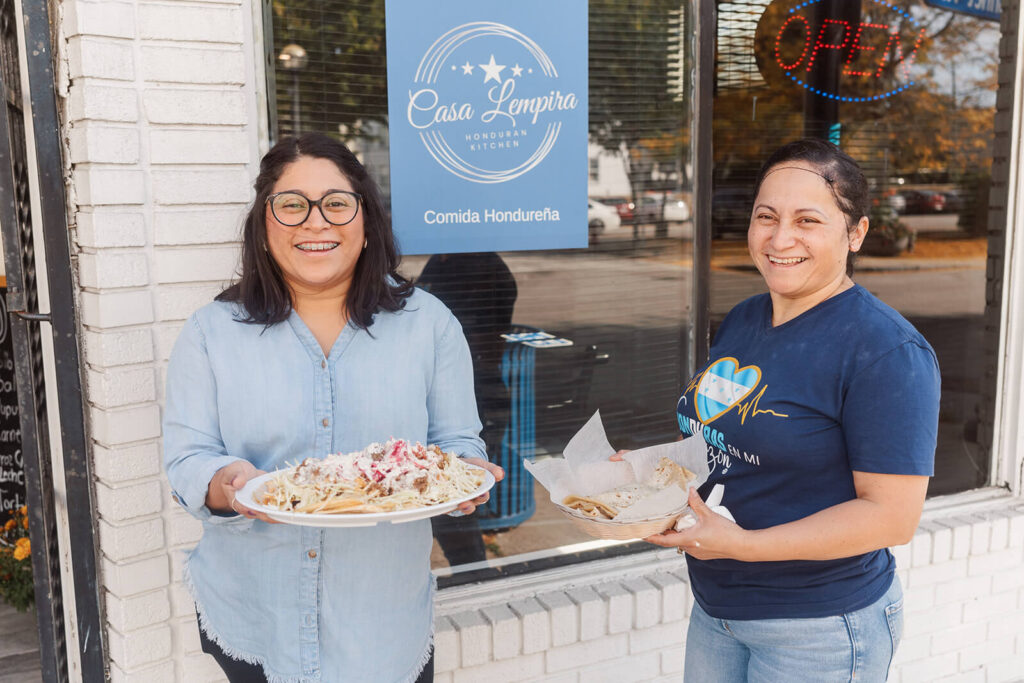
(910,91)
(623,303)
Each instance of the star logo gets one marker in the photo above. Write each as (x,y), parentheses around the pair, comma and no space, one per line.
(467,68)
(517,71)
(492,70)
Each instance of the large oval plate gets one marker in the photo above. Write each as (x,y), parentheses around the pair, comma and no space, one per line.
(247,497)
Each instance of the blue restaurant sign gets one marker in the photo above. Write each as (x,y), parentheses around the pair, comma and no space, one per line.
(984,9)
(487,108)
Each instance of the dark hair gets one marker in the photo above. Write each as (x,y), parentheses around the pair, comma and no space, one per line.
(842,174)
(376,285)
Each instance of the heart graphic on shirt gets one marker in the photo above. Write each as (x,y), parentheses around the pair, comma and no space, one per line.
(724,385)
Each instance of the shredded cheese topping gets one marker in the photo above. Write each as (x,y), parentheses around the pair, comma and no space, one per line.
(396,475)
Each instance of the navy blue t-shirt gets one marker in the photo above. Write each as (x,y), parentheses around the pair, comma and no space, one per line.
(789,413)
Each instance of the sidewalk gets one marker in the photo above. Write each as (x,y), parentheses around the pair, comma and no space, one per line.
(19,646)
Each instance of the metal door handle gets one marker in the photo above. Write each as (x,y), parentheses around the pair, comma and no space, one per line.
(39,317)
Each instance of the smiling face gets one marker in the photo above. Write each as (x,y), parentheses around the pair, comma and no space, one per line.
(799,239)
(316,258)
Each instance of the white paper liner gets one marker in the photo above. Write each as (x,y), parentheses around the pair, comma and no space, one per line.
(585,470)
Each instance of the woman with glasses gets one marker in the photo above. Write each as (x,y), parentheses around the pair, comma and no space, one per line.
(320,347)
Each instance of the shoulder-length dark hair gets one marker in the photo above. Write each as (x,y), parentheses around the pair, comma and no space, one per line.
(376,284)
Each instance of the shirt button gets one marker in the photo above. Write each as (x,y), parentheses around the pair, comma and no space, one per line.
(312,554)
(323,364)
(324,422)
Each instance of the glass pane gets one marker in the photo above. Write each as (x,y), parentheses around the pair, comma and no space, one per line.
(911,96)
(623,302)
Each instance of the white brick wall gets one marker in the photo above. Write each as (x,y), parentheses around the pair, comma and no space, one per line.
(161,146)
(964,616)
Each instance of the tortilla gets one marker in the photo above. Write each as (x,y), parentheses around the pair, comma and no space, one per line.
(608,504)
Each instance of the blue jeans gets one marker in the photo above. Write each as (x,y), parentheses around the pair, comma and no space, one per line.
(857,646)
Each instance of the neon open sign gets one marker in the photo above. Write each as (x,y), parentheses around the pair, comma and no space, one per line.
(862,55)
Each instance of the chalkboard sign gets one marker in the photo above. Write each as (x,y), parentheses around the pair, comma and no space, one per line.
(12,470)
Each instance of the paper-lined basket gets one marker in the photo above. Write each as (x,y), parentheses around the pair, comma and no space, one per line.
(586,470)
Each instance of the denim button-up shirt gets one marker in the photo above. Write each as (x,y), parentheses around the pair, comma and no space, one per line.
(312,604)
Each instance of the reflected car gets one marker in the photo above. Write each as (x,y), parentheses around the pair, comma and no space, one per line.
(651,211)
(601,217)
(622,205)
(924,201)
(955,201)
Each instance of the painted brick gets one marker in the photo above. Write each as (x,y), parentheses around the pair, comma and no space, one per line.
(1006,581)
(1005,670)
(563,677)
(162,672)
(657,637)
(109,19)
(124,425)
(943,616)
(191,146)
(182,604)
(536,624)
(901,553)
(195,264)
(114,465)
(976,676)
(139,611)
(187,635)
(928,574)
(990,563)
(194,23)
(912,648)
(921,549)
(529,667)
(120,387)
(135,576)
(177,302)
(981,532)
(190,106)
(984,653)
(171,64)
(442,678)
(203,226)
(446,645)
(201,667)
(474,637)
(100,58)
(565,626)
(961,537)
(620,606)
(96,143)
(102,103)
(98,185)
(636,668)
(113,269)
(942,544)
(125,541)
(599,650)
(929,669)
(985,607)
(101,228)
(1000,538)
(116,504)
(1010,622)
(118,347)
(506,638)
(919,598)
(952,639)
(964,589)
(674,595)
(141,647)
(648,602)
(1016,538)
(200,186)
(116,308)
(673,660)
(593,612)
(164,337)
(183,529)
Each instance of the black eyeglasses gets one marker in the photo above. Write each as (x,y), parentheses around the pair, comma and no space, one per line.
(338,207)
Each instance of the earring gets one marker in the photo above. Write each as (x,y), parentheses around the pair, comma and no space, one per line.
(366,242)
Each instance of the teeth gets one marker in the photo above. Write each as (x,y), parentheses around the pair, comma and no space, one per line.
(317,246)
(786,261)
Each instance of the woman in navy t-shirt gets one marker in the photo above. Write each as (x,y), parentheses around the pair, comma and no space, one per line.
(819,405)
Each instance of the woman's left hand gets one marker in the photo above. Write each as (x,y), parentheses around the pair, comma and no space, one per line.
(712,537)
(470,506)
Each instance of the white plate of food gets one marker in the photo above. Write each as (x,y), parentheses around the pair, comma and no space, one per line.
(340,490)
